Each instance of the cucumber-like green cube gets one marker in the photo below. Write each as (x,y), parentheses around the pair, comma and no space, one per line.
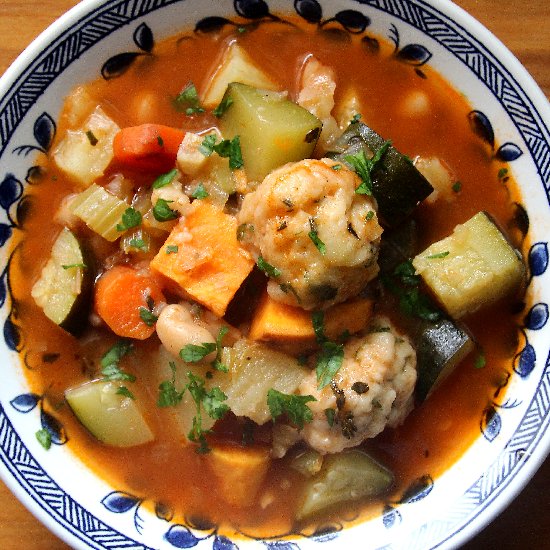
(108,415)
(347,476)
(272,129)
(473,267)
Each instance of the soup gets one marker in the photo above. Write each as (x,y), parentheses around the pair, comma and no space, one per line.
(241,302)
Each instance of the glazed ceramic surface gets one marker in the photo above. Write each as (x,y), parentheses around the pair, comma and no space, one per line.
(103,39)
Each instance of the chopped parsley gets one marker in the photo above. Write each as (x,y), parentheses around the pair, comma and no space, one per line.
(363,167)
(193,353)
(130,218)
(188,101)
(331,416)
(125,392)
(502,173)
(355,118)
(200,192)
(212,402)
(162,211)
(139,244)
(224,104)
(243,230)
(268,269)
(438,256)
(457,186)
(169,396)
(172,249)
(72,266)
(294,406)
(314,236)
(480,361)
(370,215)
(331,356)
(217,363)
(44,437)
(91,138)
(110,360)
(147,316)
(336,167)
(160,141)
(165,179)
(226,148)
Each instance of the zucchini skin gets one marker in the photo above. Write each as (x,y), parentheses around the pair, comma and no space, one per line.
(397,185)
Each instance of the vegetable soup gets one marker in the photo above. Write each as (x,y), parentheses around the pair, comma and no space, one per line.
(259,285)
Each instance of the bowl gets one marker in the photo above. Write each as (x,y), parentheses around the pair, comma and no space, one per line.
(513,441)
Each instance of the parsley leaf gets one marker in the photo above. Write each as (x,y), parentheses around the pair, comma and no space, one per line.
(172,249)
(438,256)
(138,244)
(165,179)
(217,363)
(268,269)
(314,236)
(329,361)
(331,416)
(193,353)
(124,391)
(363,167)
(188,100)
(71,266)
(162,212)
(231,149)
(207,145)
(355,118)
(224,104)
(407,274)
(480,361)
(109,362)
(294,406)
(130,218)
(169,396)
(200,192)
(317,319)
(147,316)
(44,437)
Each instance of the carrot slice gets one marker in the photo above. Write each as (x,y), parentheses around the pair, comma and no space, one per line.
(149,147)
(122,298)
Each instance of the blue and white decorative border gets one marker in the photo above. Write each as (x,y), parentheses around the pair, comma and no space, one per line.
(81,34)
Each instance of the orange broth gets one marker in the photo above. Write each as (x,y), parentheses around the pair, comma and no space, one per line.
(171,472)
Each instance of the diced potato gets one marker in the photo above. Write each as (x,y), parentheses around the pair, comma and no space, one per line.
(293,326)
(473,267)
(100,211)
(84,154)
(347,476)
(78,106)
(440,177)
(208,263)
(254,369)
(272,129)
(235,66)
(239,471)
(109,416)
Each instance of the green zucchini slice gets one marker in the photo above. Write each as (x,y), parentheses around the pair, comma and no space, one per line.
(64,289)
(272,129)
(108,414)
(346,476)
(397,185)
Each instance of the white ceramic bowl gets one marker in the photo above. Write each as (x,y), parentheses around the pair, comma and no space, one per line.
(513,439)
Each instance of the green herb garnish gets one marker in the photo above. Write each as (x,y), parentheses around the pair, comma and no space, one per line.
(165,179)
(207,145)
(172,249)
(193,353)
(294,406)
(217,363)
(331,356)
(267,268)
(138,243)
(109,362)
(91,138)
(200,192)
(44,437)
(130,218)
(169,396)
(147,316)
(457,186)
(480,361)
(363,167)
(314,236)
(188,101)
(224,104)
(370,215)
(355,118)
(331,416)
(438,256)
(162,212)
(125,392)
(71,266)
(231,149)
(336,167)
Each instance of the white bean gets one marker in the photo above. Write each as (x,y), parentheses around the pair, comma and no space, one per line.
(176,329)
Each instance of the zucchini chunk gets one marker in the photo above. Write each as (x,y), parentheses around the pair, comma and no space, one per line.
(272,129)
(100,211)
(397,185)
(347,476)
(112,418)
(64,289)
(471,268)
(440,346)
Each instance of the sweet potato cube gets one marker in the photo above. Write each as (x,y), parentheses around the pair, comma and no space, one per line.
(202,258)
(293,326)
(240,472)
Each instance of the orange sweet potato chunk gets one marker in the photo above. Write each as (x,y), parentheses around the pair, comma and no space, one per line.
(293,327)
(240,472)
(202,258)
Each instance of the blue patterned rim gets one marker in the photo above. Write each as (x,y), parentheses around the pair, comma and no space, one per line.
(526,448)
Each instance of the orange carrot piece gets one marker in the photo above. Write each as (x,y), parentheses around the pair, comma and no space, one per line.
(120,294)
(207,263)
(149,147)
(292,327)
